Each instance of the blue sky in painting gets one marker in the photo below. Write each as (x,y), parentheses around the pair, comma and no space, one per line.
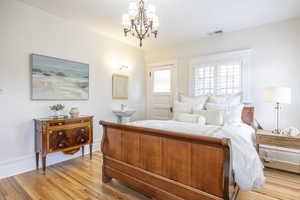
(38,60)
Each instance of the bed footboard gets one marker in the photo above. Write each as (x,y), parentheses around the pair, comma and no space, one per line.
(166,165)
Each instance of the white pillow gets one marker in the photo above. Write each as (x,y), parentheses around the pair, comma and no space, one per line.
(180,107)
(231,113)
(213,117)
(198,101)
(230,100)
(234,115)
(201,120)
(190,118)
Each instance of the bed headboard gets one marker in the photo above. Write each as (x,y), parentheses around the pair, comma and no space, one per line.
(248,115)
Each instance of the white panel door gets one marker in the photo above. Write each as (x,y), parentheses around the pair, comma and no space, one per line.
(160,92)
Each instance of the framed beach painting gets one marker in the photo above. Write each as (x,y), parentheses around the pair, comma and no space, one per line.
(58,79)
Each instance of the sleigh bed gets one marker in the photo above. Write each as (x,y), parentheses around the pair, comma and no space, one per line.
(168,165)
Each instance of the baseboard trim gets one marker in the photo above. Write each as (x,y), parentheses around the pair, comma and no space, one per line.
(26,163)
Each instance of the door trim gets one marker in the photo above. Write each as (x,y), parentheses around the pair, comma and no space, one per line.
(150,66)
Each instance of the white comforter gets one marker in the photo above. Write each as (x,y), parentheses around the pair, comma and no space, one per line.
(247,166)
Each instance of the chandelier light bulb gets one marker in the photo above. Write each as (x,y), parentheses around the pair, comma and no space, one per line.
(133,9)
(133,5)
(155,22)
(126,21)
(151,11)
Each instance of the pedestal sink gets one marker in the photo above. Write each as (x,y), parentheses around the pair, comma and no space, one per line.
(123,115)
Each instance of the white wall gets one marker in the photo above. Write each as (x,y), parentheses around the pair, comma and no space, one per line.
(25,30)
(275,62)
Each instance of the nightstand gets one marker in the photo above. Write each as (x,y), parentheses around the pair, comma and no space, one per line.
(266,137)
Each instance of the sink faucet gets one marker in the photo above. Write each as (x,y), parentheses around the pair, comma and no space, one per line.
(123,107)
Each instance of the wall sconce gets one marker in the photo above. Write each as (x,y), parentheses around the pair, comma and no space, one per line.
(124,68)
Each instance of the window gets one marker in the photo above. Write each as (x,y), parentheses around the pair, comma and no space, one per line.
(228,78)
(217,79)
(162,81)
(218,74)
(204,80)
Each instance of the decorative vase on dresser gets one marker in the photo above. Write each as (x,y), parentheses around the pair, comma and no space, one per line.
(74,112)
(65,135)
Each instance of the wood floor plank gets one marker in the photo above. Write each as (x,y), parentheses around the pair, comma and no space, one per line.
(11,190)
(40,186)
(254,196)
(289,177)
(81,179)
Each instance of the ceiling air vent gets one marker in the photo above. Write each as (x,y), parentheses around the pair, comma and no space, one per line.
(217,32)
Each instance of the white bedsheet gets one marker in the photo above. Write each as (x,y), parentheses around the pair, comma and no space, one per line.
(247,165)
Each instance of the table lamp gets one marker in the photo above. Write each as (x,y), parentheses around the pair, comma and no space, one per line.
(278,96)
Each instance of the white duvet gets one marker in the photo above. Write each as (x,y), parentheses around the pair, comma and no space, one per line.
(247,167)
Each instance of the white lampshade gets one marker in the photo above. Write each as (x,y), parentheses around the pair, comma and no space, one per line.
(126,21)
(151,11)
(155,22)
(278,95)
(133,9)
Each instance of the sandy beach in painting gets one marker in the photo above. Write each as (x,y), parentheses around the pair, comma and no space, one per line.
(56,79)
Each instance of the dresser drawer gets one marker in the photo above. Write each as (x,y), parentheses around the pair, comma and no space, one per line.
(278,140)
(63,139)
(62,122)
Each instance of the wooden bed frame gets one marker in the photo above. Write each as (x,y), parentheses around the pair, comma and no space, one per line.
(168,165)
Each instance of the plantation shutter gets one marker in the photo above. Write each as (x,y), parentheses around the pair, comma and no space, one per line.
(228,78)
(217,78)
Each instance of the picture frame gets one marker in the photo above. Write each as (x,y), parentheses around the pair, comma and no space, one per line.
(58,79)
(119,86)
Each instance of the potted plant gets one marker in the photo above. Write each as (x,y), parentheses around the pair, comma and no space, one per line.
(57,109)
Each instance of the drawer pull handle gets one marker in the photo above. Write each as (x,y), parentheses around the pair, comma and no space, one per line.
(60,133)
(61,145)
(59,124)
(82,129)
(82,140)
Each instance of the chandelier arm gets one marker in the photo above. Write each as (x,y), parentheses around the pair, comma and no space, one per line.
(127,30)
(137,31)
(139,35)
(146,31)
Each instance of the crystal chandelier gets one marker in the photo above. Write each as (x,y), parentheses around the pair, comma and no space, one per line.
(139,21)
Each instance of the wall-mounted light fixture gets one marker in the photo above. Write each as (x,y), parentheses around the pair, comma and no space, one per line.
(124,68)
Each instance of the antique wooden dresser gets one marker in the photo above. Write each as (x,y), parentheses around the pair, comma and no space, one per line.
(65,135)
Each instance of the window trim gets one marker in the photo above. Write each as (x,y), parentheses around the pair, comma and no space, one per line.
(242,56)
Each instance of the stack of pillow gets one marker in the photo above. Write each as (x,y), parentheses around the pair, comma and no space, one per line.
(211,110)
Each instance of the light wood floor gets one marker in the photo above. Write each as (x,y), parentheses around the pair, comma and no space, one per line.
(80,179)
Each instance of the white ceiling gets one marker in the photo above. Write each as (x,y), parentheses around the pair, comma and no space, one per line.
(180,20)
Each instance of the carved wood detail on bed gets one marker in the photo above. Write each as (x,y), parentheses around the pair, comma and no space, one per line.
(167,165)
(248,115)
